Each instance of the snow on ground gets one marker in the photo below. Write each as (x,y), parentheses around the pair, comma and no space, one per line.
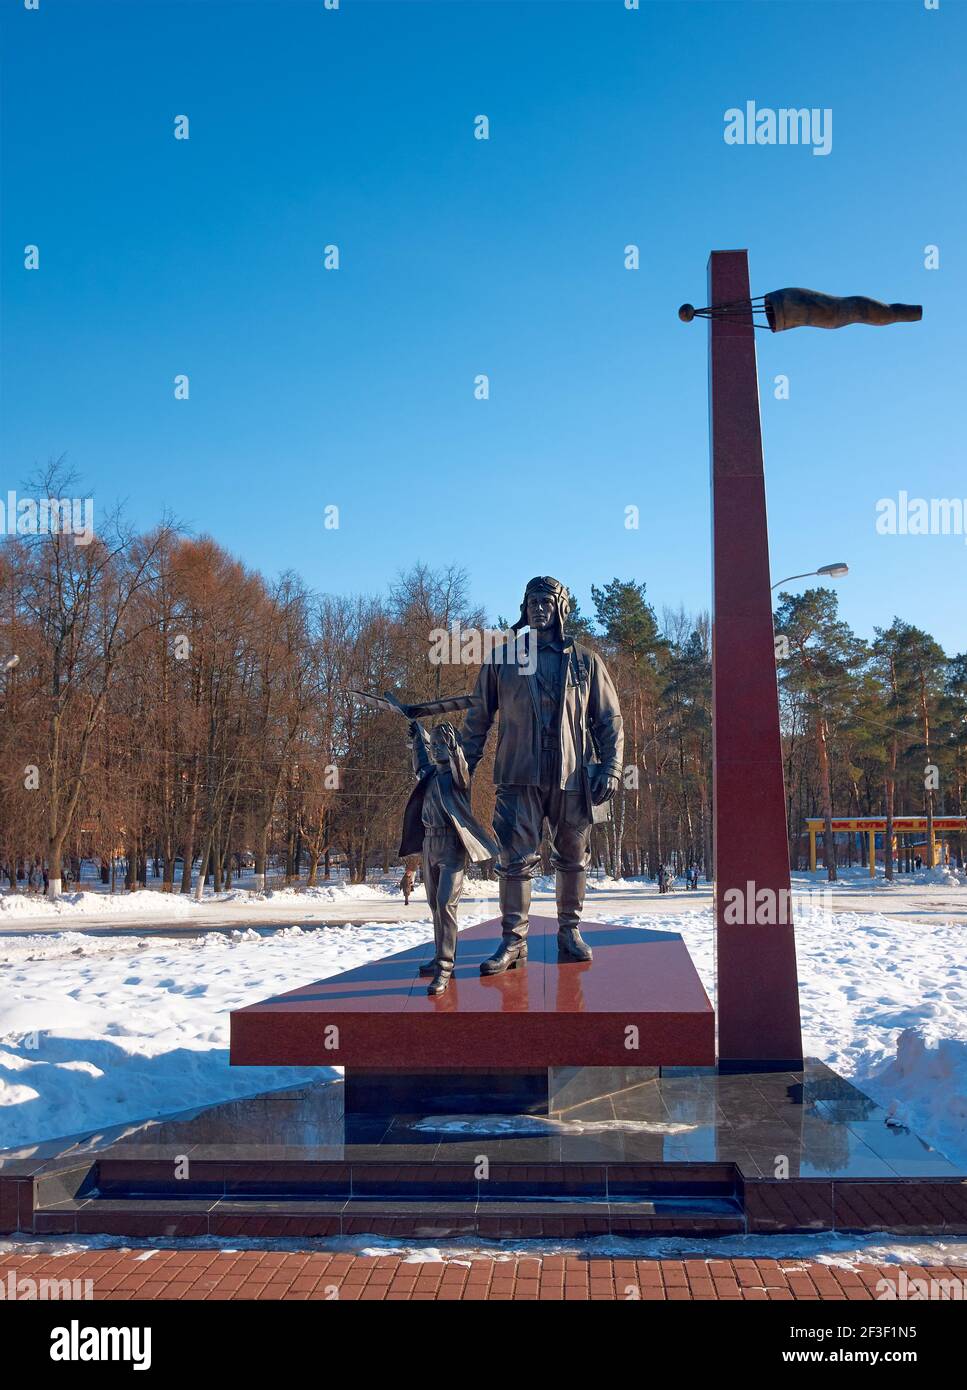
(884,1003)
(923,893)
(103,1030)
(150,903)
(943,873)
(943,876)
(94,904)
(824,1247)
(97,1031)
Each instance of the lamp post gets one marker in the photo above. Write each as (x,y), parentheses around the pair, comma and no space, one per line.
(833,571)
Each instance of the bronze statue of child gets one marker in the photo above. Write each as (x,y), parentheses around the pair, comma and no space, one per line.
(439,823)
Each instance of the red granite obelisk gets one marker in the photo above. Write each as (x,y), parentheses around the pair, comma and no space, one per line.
(758,997)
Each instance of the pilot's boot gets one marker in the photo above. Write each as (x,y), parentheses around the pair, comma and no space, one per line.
(515,901)
(428,967)
(511,953)
(440,981)
(570,902)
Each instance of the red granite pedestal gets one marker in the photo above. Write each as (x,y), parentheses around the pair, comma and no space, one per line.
(528,1039)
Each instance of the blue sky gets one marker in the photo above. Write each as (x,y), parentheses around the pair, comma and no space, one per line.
(354,388)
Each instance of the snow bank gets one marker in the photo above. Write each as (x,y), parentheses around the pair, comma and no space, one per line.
(81,904)
(925,1088)
(943,876)
(322,893)
(150,904)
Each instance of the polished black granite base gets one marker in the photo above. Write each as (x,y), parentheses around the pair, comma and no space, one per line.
(429,1091)
(684,1152)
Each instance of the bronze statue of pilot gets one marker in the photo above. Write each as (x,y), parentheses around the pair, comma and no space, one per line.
(558,758)
(439,824)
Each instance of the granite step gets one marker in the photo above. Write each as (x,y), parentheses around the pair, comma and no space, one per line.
(414,1219)
(390,1178)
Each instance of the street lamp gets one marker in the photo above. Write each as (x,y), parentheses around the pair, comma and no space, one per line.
(833,571)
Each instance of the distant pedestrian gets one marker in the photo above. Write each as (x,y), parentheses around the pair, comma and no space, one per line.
(406,885)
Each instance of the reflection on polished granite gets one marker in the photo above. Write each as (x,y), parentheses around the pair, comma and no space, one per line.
(809,1124)
(555,1010)
(687,1153)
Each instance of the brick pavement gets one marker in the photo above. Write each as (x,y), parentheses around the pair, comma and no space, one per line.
(260,1274)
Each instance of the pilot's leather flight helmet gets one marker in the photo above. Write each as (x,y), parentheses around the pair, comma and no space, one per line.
(545,584)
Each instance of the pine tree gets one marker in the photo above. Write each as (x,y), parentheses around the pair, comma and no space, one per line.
(824,654)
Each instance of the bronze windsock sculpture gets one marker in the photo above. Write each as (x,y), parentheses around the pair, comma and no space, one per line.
(799,308)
